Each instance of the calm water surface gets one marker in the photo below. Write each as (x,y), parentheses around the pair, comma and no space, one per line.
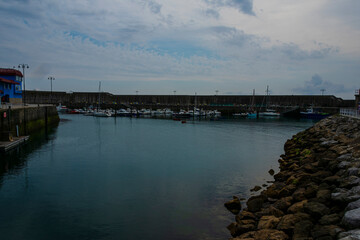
(107,178)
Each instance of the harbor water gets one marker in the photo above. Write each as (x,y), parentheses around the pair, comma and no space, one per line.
(133,178)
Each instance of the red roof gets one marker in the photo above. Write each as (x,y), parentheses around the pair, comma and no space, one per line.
(10,72)
(8,81)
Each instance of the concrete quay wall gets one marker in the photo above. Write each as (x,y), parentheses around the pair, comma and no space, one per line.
(27,119)
(92,98)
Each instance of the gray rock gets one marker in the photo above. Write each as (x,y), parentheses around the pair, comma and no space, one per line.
(350,235)
(353,205)
(344,195)
(344,157)
(344,164)
(330,142)
(353,171)
(351,219)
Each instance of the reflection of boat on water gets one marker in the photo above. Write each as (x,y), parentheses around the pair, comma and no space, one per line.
(311,114)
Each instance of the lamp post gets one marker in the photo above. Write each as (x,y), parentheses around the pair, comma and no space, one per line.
(23,66)
(51,79)
(322,91)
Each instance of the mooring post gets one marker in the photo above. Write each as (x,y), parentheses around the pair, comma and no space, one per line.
(46,121)
(24,109)
(8,117)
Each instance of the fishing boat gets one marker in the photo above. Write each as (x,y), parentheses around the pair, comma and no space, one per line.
(311,114)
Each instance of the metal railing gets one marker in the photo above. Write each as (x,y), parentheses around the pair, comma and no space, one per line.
(350,112)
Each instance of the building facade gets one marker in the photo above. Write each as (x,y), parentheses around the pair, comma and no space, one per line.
(10,86)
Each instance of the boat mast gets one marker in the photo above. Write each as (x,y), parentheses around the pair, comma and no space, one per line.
(99,96)
(253,100)
(267,96)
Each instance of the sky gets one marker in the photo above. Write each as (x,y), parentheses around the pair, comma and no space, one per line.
(187,46)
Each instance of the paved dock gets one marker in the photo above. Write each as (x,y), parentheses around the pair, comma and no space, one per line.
(17,141)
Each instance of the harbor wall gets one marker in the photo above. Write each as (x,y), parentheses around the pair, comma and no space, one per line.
(27,120)
(316,193)
(225,101)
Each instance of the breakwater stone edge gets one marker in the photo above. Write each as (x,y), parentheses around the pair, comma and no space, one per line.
(316,193)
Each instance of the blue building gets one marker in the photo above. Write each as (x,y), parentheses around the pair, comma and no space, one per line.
(10,85)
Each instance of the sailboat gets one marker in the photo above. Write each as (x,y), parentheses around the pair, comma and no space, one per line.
(252,113)
(98,112)
(268,112)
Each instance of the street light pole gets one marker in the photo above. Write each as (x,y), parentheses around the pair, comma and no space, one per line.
(23,66)
(51,79)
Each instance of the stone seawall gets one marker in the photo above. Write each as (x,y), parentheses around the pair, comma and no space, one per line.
(28,119)
(316,194)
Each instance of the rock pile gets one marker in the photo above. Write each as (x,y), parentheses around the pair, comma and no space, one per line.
(316,194)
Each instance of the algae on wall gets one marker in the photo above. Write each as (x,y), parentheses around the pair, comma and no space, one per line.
(28,120)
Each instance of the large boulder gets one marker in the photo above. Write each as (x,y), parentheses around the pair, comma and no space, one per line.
(234,205)
(351,219)
(316,209)
(353,205)
(270,234)
(323,195)
(297,207)
(302,230)
(283,204)
(254,204)
(268,222)
(270,211)
(288,222)
(330,219)
(350,235)
(238,229)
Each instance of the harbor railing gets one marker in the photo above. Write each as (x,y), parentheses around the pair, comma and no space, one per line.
(350,112)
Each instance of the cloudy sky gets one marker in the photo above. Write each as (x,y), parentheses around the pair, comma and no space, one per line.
(158,46)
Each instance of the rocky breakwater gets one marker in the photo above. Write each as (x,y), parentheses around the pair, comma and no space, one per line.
(316,194)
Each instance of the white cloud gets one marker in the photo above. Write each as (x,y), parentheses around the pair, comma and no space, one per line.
(215,44)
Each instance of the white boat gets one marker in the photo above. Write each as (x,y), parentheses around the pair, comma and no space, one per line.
(89,113)
(269,113)
(122,112)
(61,108)
(158,112)
(102,114)
(240,114)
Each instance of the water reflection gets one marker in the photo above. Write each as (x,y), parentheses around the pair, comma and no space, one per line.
(15,160)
